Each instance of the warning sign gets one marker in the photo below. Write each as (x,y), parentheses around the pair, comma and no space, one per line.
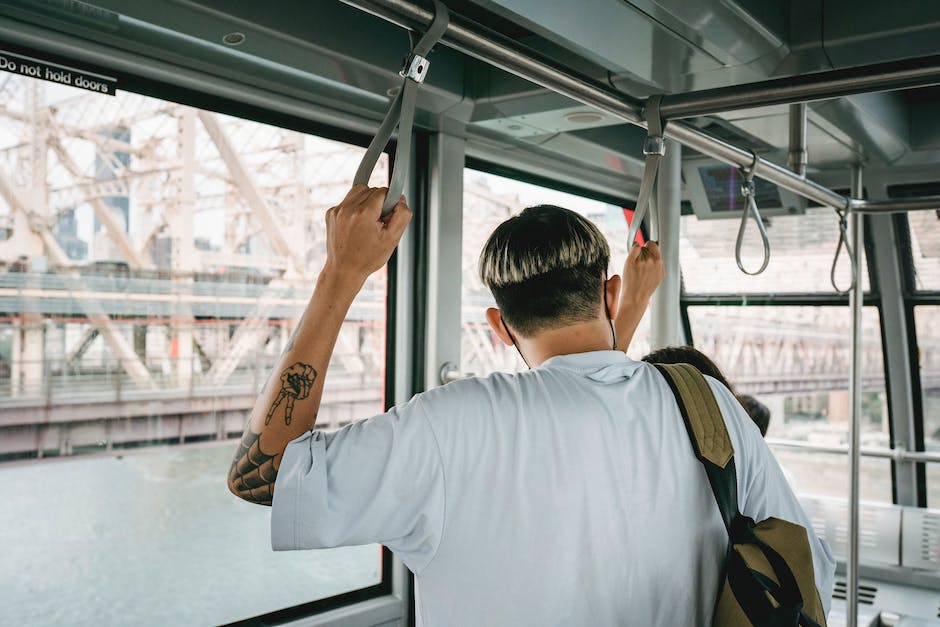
(34,68)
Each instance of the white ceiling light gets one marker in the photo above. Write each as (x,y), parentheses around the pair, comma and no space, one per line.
(584,117)
(233,39)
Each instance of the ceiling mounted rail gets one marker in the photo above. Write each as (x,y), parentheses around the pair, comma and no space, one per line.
(502,52)
(889,76)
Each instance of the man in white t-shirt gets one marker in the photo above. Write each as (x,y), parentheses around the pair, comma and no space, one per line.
(565,495)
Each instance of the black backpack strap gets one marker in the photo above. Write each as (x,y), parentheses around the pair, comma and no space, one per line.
(707,431)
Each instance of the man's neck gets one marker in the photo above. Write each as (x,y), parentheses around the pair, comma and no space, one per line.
(575,338)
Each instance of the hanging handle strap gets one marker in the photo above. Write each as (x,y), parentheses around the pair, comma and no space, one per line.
(654,149)
(401,113)
(751,210)
(843,243)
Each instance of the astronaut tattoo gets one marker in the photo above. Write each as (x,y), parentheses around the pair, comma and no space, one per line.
(296,383)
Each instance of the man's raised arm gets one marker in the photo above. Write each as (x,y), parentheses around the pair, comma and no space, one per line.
(642,273)
(359,242)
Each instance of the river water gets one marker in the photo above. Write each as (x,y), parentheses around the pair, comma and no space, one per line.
(151,538)
(155,538)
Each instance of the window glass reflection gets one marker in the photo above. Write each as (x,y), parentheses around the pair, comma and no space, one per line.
(927,319)
(802,248)
(796,361)
(153,261)
(925,248)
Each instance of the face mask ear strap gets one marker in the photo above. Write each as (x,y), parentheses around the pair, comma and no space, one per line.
(613,332)
(514,344)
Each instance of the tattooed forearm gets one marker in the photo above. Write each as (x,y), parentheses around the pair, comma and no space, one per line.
(293,336)
(253,471)
(287,348)
(296,383)
(252,474)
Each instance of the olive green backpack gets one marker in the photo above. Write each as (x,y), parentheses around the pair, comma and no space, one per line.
(767,579)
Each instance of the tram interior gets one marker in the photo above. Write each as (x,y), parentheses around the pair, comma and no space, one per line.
(158,245)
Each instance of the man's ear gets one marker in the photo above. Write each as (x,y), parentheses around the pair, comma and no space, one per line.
(612,294)
(495,320)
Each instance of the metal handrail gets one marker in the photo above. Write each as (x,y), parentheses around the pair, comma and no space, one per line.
(502,52)
(874,77)
(895,205)
(895,454)
(854,245)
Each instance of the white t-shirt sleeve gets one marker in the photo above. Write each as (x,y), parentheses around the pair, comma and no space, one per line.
(377,480)
(763,490)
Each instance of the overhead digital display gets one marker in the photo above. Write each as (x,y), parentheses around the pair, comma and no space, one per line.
(723,189)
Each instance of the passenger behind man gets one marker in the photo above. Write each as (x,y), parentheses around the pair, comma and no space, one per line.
(758,412)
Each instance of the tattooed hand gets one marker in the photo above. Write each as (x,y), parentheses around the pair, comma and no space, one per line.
(296,383)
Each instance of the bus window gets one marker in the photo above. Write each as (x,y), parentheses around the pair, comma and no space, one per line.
(184,244)
(927,319)
(801,252)
(795,360)
(488,200)
(925,248)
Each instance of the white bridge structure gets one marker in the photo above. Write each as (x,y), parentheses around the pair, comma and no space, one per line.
(154,259)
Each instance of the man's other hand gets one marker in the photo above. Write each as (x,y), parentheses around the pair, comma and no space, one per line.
(642,273)
(359,240)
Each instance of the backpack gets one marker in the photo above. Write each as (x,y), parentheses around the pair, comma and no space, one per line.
(767,578)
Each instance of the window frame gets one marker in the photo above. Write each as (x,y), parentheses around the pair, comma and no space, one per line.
(392,571)
(912,298)
(871,298)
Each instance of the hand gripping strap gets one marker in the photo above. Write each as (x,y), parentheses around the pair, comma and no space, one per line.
(401,113)
(653,149)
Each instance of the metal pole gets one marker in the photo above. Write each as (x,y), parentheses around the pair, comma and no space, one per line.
(502,52)
(855,400)
(920,457)
(797,159)
(896,205)
(892,75)
(507,54)
(897,454)
(665,302)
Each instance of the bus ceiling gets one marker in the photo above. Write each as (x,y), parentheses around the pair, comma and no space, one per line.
(558,89)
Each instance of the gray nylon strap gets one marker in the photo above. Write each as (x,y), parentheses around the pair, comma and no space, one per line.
(401,113)
(843,243)
(643,198)
(750,210)
(654,149)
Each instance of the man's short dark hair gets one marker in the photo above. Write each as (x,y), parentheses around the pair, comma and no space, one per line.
(546,268)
